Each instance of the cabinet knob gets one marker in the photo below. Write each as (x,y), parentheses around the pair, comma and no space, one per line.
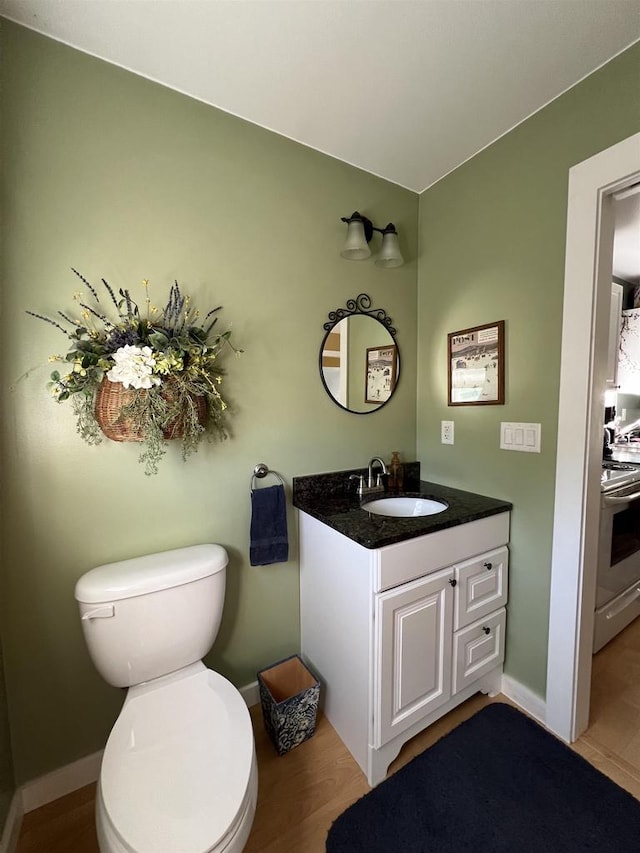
(486,630)
(488,566)
(453,581)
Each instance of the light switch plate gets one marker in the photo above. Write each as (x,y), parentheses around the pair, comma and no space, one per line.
(446,432)
(522,437)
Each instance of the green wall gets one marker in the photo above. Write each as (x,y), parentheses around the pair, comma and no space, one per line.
(125,179)
(492,238)
(122,178)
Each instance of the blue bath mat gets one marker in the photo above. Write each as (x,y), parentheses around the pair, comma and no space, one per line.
(499,783)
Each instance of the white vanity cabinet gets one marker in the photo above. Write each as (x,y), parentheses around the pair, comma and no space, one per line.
(402,634)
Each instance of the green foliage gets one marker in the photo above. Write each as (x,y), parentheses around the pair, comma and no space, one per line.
(168,356)
(86,424)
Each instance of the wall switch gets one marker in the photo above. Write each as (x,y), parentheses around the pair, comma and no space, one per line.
(446,432)
(524,437)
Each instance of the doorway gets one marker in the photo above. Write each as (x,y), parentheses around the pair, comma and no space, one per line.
(588,264)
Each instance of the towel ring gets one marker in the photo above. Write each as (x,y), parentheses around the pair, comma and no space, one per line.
(261,471)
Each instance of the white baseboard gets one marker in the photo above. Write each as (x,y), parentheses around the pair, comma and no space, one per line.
(529,701)
(250,693)
(59,782)
(11,832)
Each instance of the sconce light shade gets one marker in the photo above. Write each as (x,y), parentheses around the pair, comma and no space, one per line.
(356,247)
(359,233)
(390,255)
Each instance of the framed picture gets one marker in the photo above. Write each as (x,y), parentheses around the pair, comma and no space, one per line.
(476,366)
(380,377)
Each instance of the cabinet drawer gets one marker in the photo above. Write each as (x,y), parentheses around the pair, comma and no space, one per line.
(414,558)
(477,649)
(481,587)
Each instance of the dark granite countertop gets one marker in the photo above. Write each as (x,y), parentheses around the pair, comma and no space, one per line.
(330,499)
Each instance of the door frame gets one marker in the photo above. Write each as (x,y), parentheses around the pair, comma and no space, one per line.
(587,288)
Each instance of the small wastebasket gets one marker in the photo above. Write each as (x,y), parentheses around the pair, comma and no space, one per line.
(289,694)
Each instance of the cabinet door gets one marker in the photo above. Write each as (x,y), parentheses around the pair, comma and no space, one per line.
(477,649)
(482,586)
(413,625)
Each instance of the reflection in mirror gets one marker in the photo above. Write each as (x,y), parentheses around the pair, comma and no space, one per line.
(359,358)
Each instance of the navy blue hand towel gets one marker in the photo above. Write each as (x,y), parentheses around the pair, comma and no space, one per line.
(269,540)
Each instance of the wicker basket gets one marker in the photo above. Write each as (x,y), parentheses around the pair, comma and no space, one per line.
(112,396)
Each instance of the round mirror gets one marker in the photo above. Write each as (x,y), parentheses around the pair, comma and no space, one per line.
(359,358)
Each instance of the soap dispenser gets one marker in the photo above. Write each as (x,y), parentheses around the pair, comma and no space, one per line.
(396,472)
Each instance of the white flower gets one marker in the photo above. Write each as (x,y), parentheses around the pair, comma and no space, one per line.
(133,367)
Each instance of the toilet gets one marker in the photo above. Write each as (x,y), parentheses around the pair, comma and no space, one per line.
(179,772)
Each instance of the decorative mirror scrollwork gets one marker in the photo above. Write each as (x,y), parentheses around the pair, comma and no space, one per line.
(359,356)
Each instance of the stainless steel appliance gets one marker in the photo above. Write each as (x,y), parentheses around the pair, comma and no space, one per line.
(618,587)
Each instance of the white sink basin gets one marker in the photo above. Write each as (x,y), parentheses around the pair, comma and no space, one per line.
(404,507)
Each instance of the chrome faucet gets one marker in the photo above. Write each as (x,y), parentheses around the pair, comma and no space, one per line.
(372,486)
(378,483)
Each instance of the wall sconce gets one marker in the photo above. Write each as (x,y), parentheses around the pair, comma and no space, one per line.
(359,233)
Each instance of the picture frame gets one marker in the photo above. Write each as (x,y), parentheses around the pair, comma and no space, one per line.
(475,359)
(380,373)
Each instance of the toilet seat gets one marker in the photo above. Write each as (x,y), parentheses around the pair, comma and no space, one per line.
(178,772)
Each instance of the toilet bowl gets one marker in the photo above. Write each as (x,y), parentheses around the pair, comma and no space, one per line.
(182,751)
(179,772)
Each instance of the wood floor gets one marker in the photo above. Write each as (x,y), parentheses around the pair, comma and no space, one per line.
(301,793)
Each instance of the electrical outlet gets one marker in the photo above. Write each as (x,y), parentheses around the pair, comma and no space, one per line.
(446,432)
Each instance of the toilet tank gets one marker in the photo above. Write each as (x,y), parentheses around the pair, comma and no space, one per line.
(152,615)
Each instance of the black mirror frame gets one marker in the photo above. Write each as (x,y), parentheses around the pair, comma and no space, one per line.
(360,305)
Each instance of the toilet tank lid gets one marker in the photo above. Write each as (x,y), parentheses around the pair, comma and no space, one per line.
(150,573)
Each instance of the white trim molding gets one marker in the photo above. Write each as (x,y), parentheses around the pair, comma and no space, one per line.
(45,789)
(587,291)
(12,824)
(526,699)
(250,693)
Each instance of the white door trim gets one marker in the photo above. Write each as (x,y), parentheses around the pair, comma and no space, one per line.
(588,265)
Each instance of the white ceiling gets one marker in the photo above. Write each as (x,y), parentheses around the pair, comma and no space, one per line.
(405,89)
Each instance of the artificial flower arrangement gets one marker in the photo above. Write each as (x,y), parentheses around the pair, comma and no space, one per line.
(145,376)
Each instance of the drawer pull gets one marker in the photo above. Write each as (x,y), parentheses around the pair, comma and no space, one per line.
(488,566)
(453,582)
(486,630)
(628,599)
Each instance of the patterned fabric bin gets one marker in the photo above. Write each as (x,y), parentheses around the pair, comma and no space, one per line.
(289,694)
